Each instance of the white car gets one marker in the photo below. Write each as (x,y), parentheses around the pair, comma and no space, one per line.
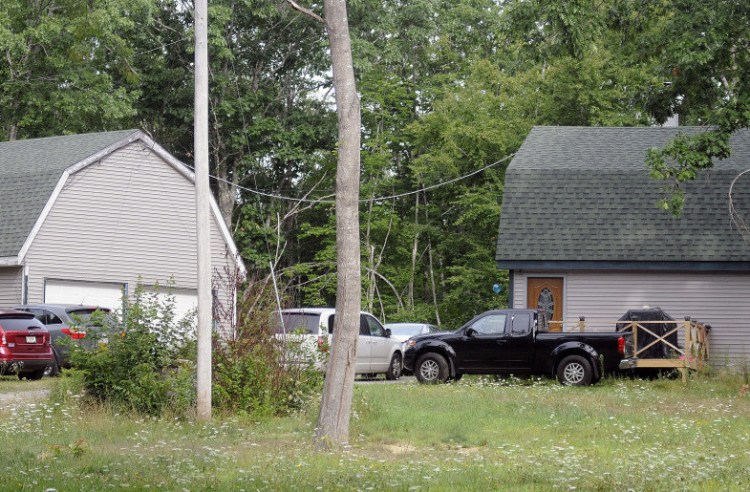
(377,352)
(404,331)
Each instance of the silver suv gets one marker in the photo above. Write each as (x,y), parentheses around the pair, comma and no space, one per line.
(377,352)
(66,322)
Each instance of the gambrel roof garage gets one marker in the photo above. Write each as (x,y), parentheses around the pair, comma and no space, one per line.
(582,235)
(85,216)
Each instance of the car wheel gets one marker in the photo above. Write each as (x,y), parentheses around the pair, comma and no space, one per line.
(575,370)
(431,368)
(32,376)
(394,369)
(54,369)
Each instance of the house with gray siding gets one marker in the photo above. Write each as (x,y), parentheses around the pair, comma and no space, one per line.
(581,234)
(85,217)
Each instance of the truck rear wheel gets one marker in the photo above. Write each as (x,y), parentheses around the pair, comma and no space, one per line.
(575,370)
(431,368)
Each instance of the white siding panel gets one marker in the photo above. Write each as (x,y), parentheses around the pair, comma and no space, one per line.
(11,284)
(125,219)
(719,299)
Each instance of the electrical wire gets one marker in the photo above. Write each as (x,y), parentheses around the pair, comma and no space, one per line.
(366,200)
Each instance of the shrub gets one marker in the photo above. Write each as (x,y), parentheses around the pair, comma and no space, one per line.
(146,363)
(250,373)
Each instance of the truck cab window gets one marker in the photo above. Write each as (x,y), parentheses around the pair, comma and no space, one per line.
(494,324)
(520,324)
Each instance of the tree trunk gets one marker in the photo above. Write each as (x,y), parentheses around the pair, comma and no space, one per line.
(335,407)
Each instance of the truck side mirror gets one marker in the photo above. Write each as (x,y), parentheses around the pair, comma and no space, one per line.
(388,333)
(471,332)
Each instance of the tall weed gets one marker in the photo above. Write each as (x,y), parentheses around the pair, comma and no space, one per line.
(250,371)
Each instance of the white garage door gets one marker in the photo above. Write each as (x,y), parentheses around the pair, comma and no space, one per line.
(102,294)
(185,301)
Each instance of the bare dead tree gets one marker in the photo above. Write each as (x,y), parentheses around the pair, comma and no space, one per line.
(336,405)
(735,216)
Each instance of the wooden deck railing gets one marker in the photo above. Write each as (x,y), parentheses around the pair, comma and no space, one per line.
(693,355)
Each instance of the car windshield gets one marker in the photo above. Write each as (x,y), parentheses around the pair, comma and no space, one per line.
(297,323)
(406,329)
(87,317)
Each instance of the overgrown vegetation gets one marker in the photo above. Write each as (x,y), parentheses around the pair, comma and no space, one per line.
(145,361)
(255,372)
(477,434)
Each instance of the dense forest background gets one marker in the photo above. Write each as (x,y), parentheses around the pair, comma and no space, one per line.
(447,87)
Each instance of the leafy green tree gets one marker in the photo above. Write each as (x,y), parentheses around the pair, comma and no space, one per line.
(67,65)
(704,60)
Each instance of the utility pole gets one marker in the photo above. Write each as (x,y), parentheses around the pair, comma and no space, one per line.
(203,211)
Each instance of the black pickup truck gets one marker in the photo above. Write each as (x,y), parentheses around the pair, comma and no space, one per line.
(514,341)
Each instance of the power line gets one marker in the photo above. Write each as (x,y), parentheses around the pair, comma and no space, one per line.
(365,200)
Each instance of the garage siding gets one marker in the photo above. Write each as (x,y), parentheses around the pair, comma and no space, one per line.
(720,299)
(11,285)
(128,218)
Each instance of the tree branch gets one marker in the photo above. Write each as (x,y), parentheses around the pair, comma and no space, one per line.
(305,11)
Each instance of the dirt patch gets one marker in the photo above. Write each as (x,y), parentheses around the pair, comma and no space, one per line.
(26,396)
(399,448)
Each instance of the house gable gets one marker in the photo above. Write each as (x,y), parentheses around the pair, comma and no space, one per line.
(130,217)
(30,170)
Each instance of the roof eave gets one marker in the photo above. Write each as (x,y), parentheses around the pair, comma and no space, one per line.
(6,261)
(622,266)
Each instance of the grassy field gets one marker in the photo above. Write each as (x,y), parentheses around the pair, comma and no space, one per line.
(475,435)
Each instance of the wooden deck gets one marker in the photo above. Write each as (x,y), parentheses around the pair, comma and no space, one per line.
(693,356)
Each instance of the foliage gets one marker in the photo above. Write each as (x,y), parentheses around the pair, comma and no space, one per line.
(446,88)
(255,372)
(478,434)
(704,61)
(67,65)
(146,362)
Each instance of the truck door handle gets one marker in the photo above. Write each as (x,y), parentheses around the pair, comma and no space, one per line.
(501,342)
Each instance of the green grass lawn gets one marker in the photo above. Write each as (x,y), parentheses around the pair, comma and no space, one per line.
(474,435)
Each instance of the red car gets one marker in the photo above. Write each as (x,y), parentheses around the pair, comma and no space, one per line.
(25,347)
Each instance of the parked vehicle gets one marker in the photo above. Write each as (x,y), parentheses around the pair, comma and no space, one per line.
(67,324)
(24,345)
(514,342)
(404,331)
(312,329)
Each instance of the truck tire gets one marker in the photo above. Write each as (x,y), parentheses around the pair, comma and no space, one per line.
(394,369)
(574,370)
(431,368)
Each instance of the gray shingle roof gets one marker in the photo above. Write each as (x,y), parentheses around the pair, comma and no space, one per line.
(29,172)
(584,194)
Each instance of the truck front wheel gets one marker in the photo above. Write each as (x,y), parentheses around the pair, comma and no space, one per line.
(431,368)
(575,370)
